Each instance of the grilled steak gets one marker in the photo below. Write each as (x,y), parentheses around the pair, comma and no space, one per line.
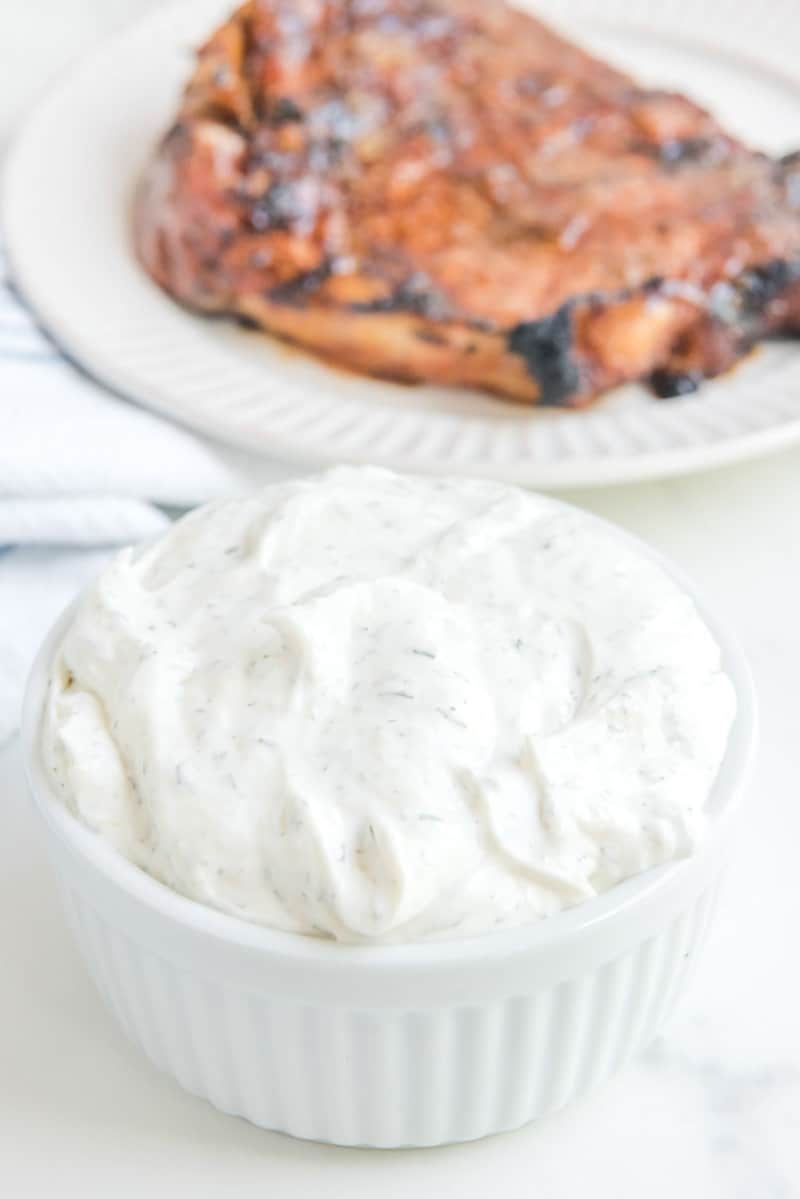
(445,190)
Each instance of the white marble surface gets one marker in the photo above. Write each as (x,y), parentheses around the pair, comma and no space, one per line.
(711,1111)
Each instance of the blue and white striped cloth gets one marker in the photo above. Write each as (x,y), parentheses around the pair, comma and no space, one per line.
(80,471)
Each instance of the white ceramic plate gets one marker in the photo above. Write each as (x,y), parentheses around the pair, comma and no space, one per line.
(68,188)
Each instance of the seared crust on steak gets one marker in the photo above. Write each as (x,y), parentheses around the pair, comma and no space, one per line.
(447,191)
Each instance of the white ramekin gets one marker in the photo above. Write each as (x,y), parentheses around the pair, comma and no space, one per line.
(389,1045)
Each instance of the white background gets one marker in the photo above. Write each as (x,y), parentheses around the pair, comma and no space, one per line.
(712,1111)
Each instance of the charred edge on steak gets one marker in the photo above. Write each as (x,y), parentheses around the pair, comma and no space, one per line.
(546,345)
(760,285)
(669,385)
(284,111)
(682,151)
(738,308)
(677,151)
(297,290)
(742,301)
(416,296)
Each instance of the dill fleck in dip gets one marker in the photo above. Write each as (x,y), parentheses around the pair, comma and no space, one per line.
(384,708)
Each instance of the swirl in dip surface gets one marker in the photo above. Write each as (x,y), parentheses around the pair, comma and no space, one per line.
(385,708)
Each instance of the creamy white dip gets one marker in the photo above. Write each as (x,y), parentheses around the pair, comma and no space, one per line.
(385,708)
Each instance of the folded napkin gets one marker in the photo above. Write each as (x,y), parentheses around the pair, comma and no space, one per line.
(81,470)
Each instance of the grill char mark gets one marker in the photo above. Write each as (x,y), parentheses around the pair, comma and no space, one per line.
(546,345)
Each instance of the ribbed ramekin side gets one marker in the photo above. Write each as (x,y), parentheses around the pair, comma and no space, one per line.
(392,1076)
